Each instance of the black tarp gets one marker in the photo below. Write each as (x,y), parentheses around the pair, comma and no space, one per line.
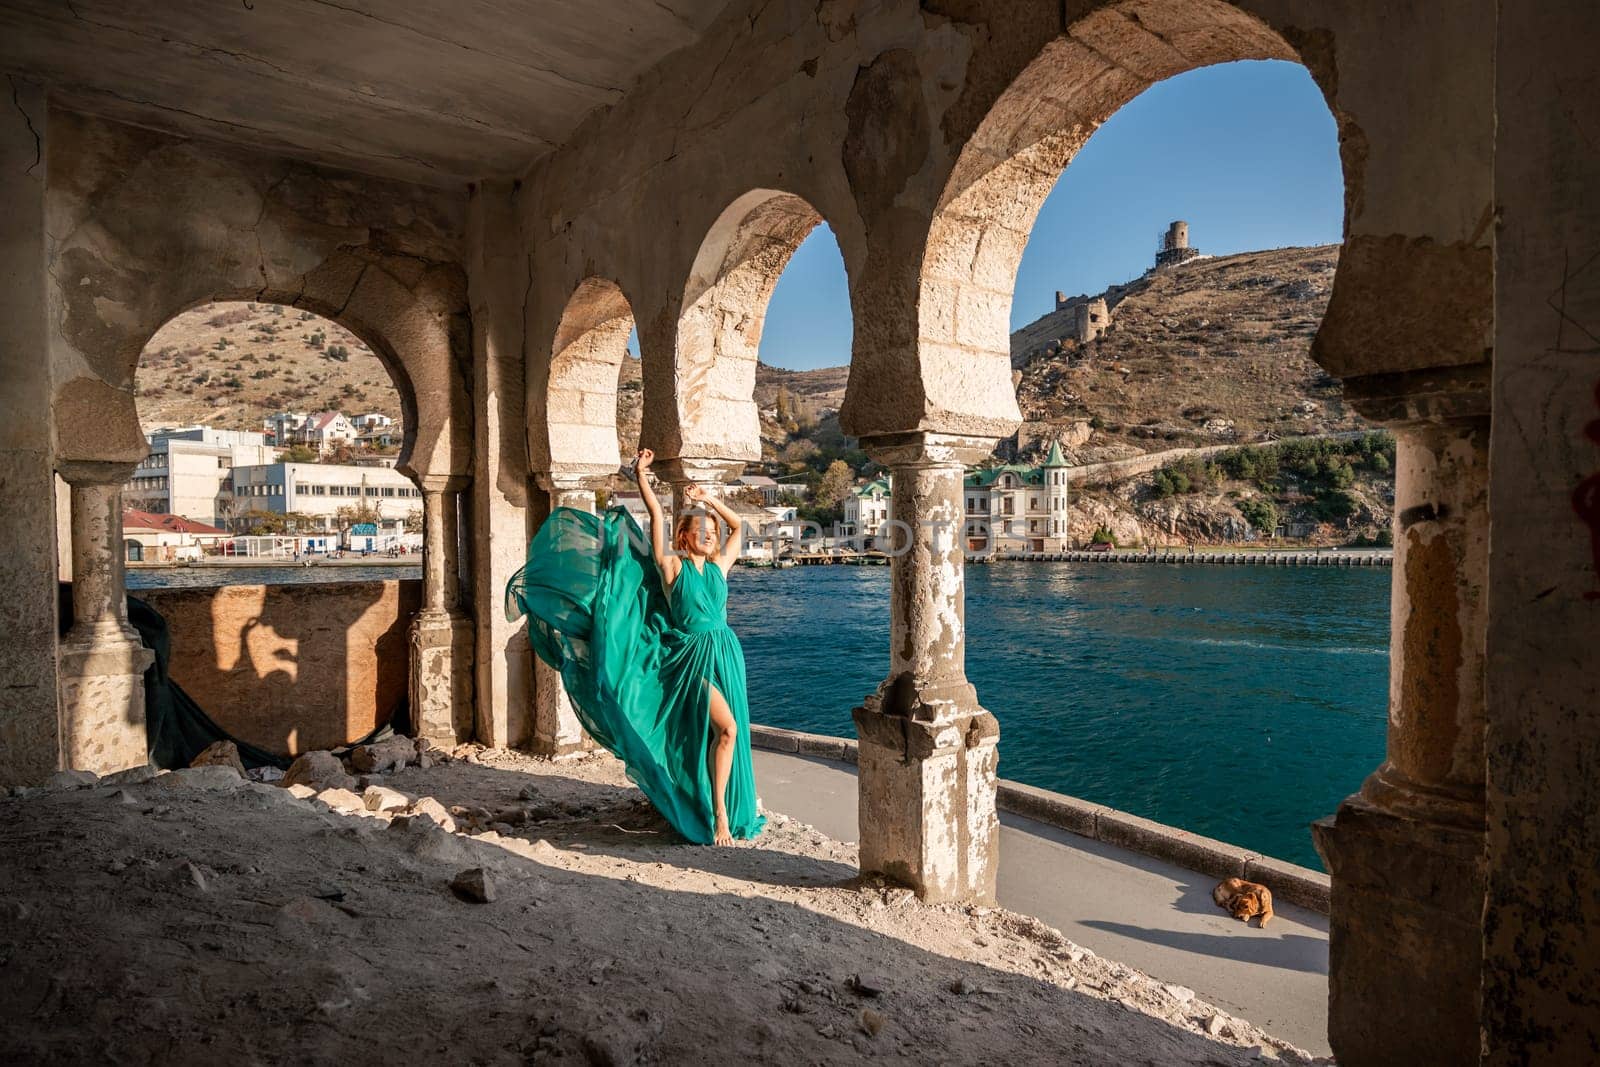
(177,728)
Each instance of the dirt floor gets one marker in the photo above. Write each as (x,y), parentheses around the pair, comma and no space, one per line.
(200,918)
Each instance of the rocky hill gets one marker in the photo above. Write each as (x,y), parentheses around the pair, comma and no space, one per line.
(1214,351)
(229,365)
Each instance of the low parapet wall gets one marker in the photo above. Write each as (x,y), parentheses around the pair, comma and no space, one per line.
(1288,881)
(292,668)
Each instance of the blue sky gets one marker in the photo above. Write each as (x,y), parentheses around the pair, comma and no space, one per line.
(1247,153)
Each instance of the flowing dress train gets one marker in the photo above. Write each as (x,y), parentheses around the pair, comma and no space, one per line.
(639,661)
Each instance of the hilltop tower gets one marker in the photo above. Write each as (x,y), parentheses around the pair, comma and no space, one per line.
(1174,247)
(1055,481)
(1090,319)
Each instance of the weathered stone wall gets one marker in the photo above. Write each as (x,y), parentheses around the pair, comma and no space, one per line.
(144,225)
(292,668)
(928,136)
(1541,989)
(29,729)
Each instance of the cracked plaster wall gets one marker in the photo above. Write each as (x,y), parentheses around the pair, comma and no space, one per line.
(143,225)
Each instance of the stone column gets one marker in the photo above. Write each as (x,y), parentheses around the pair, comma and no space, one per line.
(682,472)
(498,278)
(1406,853)
(557,733)
(102,659)
(928,751)
(441,634)
(30,710)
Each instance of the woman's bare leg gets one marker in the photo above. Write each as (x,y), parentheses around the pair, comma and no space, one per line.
(724,731)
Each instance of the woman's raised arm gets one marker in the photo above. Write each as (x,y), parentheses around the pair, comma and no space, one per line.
(658,525)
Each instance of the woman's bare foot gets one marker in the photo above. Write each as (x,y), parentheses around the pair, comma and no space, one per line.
(724,837)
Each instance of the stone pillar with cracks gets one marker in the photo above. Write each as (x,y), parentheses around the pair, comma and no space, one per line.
(928,751)
(682,472)
(557,733)
(102,658)
(1406,853)
(441,633)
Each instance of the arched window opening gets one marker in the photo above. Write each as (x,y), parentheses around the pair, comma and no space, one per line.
(269,527)
(1161,320)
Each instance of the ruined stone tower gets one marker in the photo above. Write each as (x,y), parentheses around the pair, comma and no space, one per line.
(1091,319)
(1175,246)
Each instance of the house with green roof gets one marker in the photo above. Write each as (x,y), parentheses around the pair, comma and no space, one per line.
(865,510)
(1017,508)
(1009,508)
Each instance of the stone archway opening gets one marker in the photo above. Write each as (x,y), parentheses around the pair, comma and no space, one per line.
(593,403)
(719,331)
(1172,411)
(1427,796)
(282,535)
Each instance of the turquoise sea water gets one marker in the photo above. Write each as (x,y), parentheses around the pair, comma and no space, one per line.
(1237,702)
(1240,703)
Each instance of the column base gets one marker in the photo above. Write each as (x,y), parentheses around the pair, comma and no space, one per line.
(557,733)
(927,801)
(441,677)
(1405,935)
(102,701)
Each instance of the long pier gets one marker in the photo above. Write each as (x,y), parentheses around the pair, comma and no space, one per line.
(1241,559)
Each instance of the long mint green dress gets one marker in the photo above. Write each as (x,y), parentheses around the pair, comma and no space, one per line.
(638,660)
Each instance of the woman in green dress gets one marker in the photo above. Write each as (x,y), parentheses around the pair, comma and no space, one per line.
(640,635)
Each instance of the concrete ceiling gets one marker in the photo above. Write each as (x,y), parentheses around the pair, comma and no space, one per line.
(430,91)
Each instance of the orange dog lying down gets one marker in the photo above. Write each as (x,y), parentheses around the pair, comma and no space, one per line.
(1244,900)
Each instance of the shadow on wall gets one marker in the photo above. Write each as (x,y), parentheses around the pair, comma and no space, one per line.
(293,668)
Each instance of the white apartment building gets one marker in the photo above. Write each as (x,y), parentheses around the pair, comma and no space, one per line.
(321,490)
(321,430)
(186,469)
(865,510)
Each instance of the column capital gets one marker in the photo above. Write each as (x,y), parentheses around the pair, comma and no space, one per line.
(82,474)
(703,470)
(1443,394)
(925,449)
(568,482)
(444,483)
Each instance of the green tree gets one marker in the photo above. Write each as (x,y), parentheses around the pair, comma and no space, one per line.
(838,481)
(1260,513)
(299,454)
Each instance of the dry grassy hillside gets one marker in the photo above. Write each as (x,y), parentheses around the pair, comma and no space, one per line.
(1213,351)
(229,365)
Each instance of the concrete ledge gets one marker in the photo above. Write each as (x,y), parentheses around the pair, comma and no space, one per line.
(822,746)
(1297,885)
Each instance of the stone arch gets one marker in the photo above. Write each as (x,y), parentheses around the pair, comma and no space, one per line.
(1009,165)
(392,364)
(153,225)
(580,426)
(719,329)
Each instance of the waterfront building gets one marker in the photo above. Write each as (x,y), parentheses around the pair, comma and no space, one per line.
(866,509)
(1017,508)
(186,469)
(322,491)
(151,538)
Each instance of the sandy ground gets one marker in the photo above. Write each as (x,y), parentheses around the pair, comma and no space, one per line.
(199,918)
